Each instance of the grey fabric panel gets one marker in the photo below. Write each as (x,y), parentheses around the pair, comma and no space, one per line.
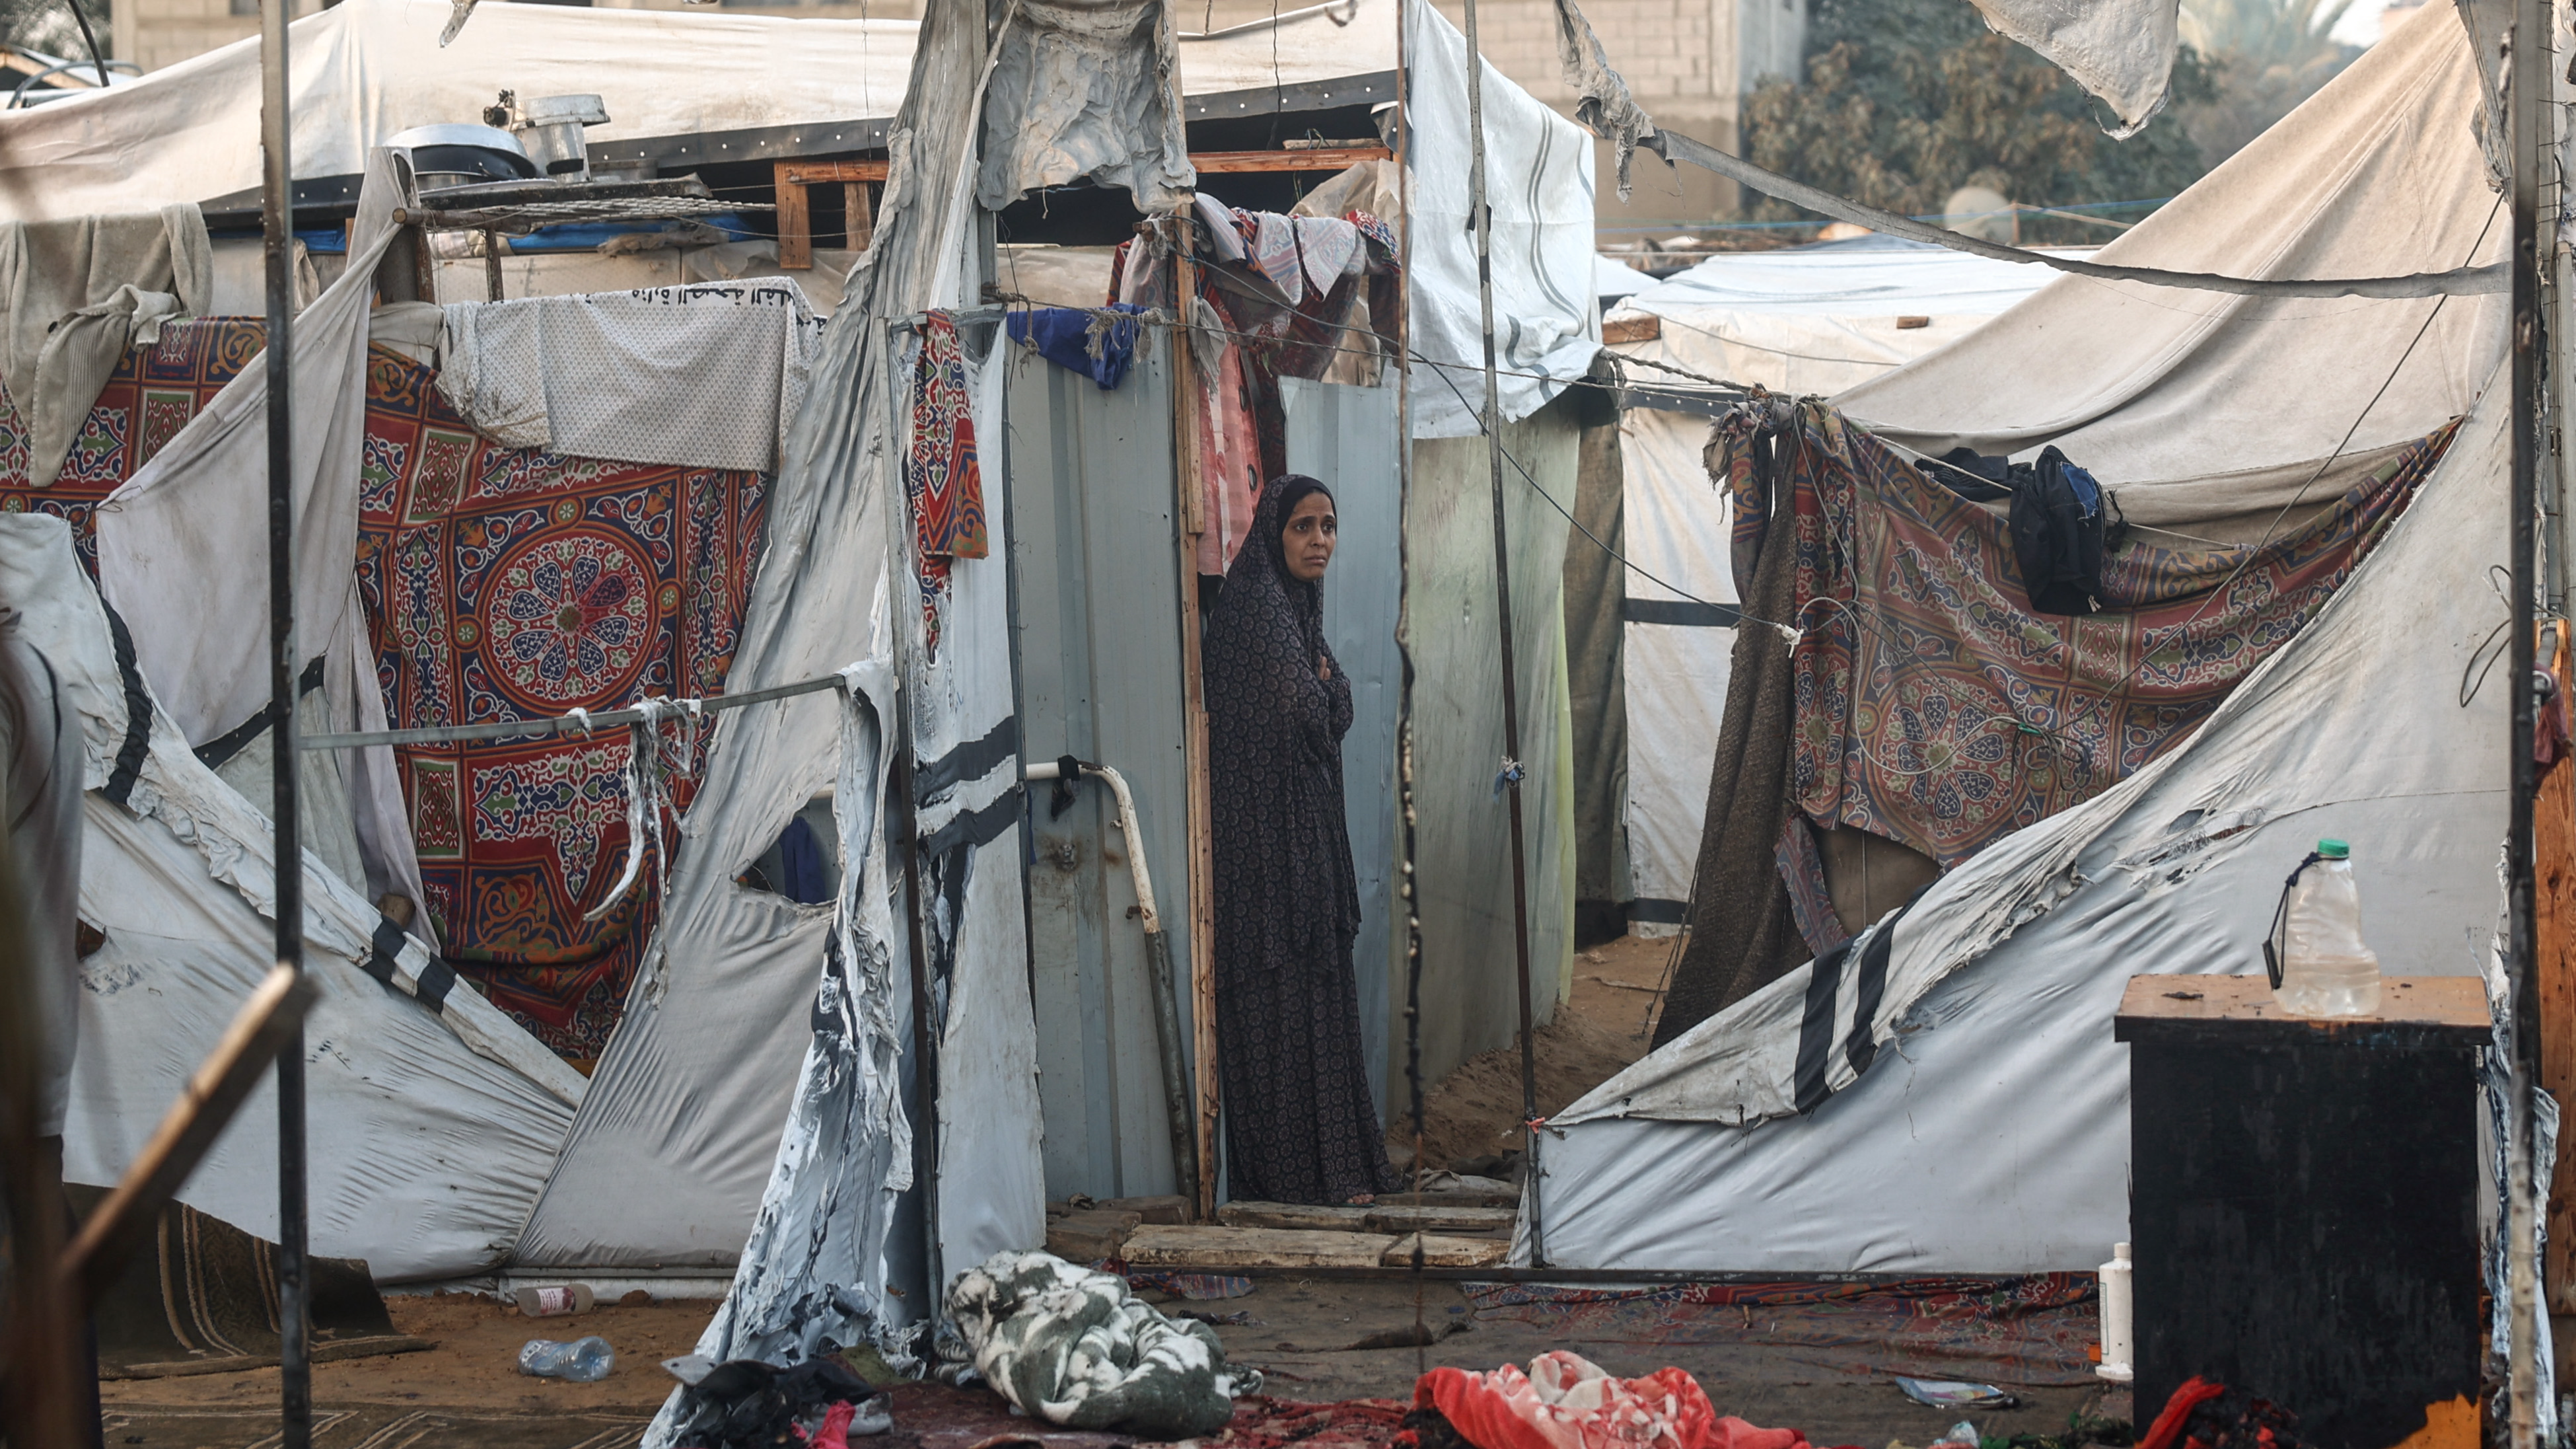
(1463,866)
(1596,677)
(1083,89)
(668,1161)
(1345,436)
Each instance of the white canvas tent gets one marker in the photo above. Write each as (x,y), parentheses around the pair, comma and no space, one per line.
(1803,320)
(1988,1134)
(657,1163)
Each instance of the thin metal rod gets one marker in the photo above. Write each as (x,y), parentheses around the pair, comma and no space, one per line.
(2527,96)
(1411,925)
(90,39)
(1513,769)
(563,724)
(277,227)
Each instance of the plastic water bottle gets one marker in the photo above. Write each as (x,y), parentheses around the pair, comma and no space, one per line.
(582,1361)
(2118,1317)
(2325,968)
(547,1302)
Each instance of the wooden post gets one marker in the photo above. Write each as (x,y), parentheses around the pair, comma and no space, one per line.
(1193,523)
(795,222)
(858,225)
(2553,849)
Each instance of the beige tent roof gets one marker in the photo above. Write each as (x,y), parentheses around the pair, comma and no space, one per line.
(2197,405)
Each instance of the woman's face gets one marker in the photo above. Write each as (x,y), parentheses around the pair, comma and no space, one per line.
(1308,538)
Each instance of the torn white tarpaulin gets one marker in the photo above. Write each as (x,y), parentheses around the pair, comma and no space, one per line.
(1547,326)
(707,375)
(183,550)
(1950,1082)
(433,1114)
(1083,89)
(73,295)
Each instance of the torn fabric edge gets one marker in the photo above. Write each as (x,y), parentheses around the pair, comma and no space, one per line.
(1604,95)
(814,1268)
(1085,91)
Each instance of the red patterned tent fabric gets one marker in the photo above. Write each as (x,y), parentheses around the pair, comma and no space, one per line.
(499,584)
(1935,707)
(514,583)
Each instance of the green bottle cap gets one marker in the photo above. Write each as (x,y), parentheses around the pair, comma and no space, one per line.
(2333,850)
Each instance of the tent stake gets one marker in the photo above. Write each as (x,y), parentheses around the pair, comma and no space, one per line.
(1513,769)
(277,228)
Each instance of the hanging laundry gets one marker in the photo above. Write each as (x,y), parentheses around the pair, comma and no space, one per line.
(1330,248)
(2057,520)
(1229,453)
(940,472)
(1100,344)
(1274,255)
(1219,219)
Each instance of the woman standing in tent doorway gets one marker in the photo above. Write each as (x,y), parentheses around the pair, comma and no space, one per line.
(1298,1117)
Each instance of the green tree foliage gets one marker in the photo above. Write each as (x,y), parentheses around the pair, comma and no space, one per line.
(47,26)
(2270,55)
(1906,101)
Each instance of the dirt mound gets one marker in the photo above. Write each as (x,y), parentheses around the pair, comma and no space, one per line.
(1476,1110)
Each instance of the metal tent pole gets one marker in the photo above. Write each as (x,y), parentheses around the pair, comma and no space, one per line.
(277,226)
(1513,771)
(2527,95)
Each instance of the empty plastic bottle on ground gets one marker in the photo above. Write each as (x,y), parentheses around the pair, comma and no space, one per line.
(2325,968)
(583,1361)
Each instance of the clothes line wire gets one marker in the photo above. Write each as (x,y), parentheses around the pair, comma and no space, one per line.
(577,722)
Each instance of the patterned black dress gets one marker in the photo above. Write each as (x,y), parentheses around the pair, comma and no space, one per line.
(1299,1124)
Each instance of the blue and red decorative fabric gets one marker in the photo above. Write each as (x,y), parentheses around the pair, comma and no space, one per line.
(513,583)
(1936,707)
(940,472)
(499,584)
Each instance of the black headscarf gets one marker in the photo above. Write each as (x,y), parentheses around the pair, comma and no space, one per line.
(1300,1124)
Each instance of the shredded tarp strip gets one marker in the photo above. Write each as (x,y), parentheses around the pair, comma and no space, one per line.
(976,827)
(972,760)
(214,754)
(138,713)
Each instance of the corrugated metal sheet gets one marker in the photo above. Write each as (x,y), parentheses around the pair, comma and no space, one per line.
(1100,661)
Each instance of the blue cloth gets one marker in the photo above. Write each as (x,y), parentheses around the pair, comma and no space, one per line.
(582,236)
(800,861)
(1064,338)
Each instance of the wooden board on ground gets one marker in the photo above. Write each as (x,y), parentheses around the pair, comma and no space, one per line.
(1443,1252)
(1310,1217)
(1089,1235)
(1156,1246)
(1402,1218)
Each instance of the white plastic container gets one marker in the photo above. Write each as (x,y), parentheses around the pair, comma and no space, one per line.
(582,1361)
(2119,1318)
(548,1302)
(2326,970)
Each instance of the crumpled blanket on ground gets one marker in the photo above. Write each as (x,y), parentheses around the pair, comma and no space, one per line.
(1566,1401)
(1069,1346)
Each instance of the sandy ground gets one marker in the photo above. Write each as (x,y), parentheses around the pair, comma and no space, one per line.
(1304,1335)
(1606,1025)
(475,1361)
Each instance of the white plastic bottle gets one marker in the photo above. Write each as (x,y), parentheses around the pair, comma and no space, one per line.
(2118,1317)
(2326,970)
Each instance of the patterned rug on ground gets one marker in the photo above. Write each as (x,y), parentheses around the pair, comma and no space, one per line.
(2035,1328)
(500,584)
(1936,707)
